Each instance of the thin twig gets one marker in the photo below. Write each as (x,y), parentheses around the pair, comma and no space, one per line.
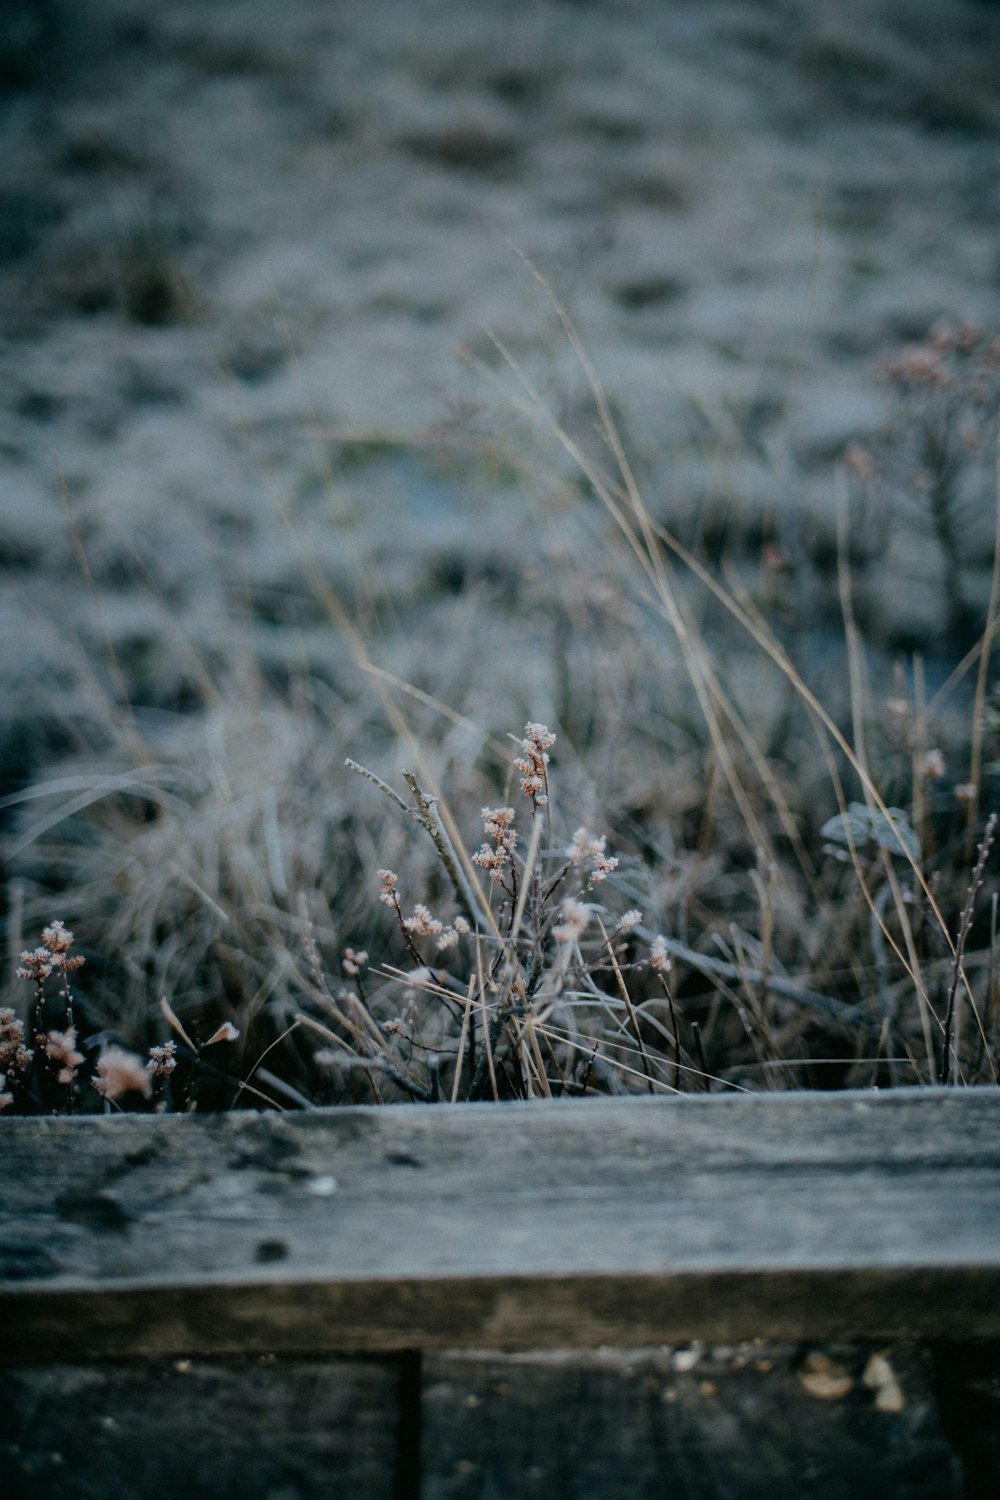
(673,1021)
(426,816)
(383,786)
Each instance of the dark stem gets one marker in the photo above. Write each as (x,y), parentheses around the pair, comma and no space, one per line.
(948,1063)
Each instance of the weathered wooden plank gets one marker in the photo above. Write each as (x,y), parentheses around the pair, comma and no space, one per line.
(516,1226)
(968,1388)
(760,1422)
(260,1430)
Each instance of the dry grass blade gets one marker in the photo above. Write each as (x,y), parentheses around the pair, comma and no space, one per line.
(174,1023)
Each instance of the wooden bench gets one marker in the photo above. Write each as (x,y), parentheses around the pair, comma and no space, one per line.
(704,1296)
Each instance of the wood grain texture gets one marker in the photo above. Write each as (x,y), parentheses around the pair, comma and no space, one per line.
(692,1424)
(257,1430)
(568,1224)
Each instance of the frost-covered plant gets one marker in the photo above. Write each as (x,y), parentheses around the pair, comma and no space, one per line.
(536,999)
(934,462)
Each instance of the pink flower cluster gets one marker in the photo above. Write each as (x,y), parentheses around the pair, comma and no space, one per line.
(422,924)
(498,823)
(162,1060)
(588,846)
(14,1055)
(36,965)
(532,762)
(54,954)
(354,961)
(933,362)
(60,1048)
